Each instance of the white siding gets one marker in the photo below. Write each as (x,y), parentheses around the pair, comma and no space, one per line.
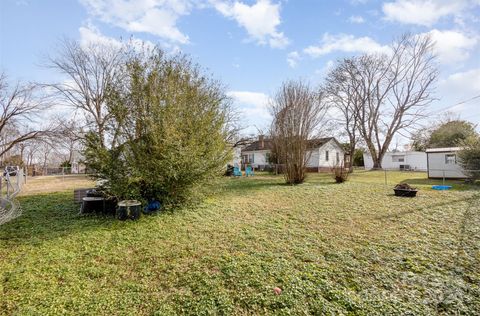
(332,148)
(417,160)
(316,159)
(437,168)
(313,160)
(237,157)
(259,157)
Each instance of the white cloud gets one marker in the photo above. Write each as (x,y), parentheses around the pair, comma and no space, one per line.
(452,46)
(254,103)
(160,17)
(459,87)
(325,69)
(293,58)
(260,20)
(424,12)
(253,106)
(345,43)
(462,84)
(157,17)
(356,19)
(89,34)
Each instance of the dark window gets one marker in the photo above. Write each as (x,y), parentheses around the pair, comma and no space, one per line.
(450,159)
(398,158)
(338,157)
(326,155)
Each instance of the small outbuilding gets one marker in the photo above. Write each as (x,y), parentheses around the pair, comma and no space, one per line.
(443,163)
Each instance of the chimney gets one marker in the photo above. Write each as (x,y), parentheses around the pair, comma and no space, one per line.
(262,142)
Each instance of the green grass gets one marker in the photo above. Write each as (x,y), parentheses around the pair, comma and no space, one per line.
(349,248)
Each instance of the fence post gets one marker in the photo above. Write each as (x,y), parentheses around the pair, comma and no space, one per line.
(8,182)
(385,177)
(443,177)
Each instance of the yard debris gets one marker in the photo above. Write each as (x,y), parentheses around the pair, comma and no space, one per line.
(404,186)
(277,290)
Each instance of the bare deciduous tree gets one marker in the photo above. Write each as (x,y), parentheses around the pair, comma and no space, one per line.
(394,90)
(297,112)
(91,71)
(69,137)
(343,93)
(19,105)
(31,149)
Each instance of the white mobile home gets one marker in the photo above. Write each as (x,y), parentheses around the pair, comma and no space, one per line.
(400,160)
(443,163)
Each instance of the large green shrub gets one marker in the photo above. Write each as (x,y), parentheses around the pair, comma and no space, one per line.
(169,128)
(470,157)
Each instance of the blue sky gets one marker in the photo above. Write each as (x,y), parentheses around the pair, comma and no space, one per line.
(252,46)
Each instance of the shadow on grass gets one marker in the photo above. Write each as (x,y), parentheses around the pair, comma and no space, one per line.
(410,211)
(252,184)
(49,216)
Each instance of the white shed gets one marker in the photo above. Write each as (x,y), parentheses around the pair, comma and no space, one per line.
(400,160)
(443,163)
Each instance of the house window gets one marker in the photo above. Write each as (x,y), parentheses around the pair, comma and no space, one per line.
(326,155)
(267,158)
(338,157)
(398,158)
(247,159)
(450,159)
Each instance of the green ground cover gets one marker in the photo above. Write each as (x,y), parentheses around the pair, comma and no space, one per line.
(350,248)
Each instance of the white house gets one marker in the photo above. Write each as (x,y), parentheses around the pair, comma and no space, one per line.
(324,153)
(257,154)
(400,160)
(443,163)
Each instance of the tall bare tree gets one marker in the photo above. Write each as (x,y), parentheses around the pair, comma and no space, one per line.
(343,92)
(394,90)
(90,72)
(297,112)
(31,149)
(19,104)
(69,137)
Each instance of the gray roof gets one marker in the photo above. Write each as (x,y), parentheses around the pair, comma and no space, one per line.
(268,144)
(442,150)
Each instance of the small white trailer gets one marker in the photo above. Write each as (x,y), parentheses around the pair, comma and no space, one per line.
(443,163)
(400,160)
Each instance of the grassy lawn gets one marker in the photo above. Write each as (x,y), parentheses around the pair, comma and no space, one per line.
(349,248)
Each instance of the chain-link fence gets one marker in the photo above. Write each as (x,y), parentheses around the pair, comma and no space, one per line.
(11,183)
(391,177)
(57,171)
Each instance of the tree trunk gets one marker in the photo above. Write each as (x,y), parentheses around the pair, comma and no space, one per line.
(377,162)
